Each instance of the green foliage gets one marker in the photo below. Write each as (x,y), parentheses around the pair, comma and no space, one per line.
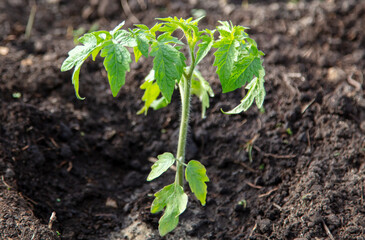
(174,200)
(151,93)
(196,176)
(205,45)
(165,161)
(238,62)
(168,64)
(116,63)
(256,91)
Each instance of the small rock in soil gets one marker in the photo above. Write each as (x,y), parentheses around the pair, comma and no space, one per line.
(111,203)
(333,220)
(9,173)
(335,75)
(39,47)
(265,226)
(315,219)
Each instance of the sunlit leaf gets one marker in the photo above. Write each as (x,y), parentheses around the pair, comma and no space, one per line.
(196,176)
(174,200)
(116,63)
(163,163)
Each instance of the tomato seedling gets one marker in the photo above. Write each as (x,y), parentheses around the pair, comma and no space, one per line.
(238,62)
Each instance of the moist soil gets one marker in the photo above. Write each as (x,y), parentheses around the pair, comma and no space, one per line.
(87,161)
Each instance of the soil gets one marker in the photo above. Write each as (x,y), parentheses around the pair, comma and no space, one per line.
(87,161)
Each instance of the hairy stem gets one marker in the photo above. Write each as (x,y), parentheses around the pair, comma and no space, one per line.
(185,92)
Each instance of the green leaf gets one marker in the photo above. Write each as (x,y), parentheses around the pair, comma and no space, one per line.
(243,72)
(76,58)
(200,12)
(142,26)
(79,54)
(167,38)
(256,90)
(225,29)
(155,28)
(100,36)
(205,46)
(261,93)
(93,42)
(103,38)
(159,103)
(201,88)
(196,176)
(100,46)
(174,200)
(225,57)
(165,161)
(116,63)
(120,25)
(142,44)
(152,91)
(168,65)
(172,24)
(125,38)
(137,53)
(237,58)
(75,81)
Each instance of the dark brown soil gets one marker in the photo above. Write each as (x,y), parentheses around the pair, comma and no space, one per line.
(87,161)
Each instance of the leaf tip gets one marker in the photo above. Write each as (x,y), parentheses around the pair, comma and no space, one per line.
(80,98)
(227,113)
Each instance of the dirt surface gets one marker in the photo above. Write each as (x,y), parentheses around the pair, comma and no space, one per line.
(87,161)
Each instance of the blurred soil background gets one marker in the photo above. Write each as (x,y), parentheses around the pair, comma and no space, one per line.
(87,161)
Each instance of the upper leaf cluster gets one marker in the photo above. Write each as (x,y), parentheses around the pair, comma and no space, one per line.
(237,59)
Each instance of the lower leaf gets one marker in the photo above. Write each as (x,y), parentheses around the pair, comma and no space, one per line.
(174,200)
(196,176)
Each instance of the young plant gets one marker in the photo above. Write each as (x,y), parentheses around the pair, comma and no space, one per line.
(238,62)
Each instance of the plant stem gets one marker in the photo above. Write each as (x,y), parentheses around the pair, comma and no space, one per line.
(185,93)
